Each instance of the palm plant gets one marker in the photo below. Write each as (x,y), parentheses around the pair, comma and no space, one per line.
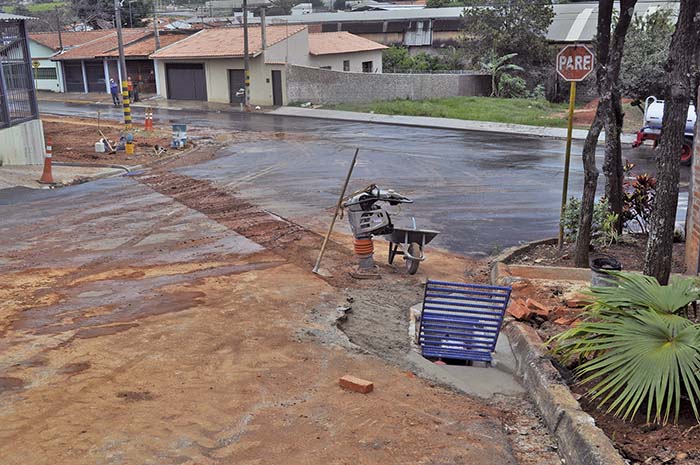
(637,349)
(496,66)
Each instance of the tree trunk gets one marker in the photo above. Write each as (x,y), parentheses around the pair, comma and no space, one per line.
(609,114)
(590,182)
(657,261)
(612,166)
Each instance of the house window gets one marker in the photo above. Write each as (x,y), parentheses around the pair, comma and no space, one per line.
(346,65)
(367,67)
(326,67)
(45,73)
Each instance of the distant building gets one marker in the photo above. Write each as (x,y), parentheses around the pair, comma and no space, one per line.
(302,9)
(209,65)
(21,132)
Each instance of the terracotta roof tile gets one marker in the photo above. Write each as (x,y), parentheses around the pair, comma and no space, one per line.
(102,45)
(225,42)
(329,43)
(146,46)
(70,39)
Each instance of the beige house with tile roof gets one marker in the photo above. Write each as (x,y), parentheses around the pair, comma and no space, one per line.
(209,64)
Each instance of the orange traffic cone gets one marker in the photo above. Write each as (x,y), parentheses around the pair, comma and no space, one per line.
(46,176)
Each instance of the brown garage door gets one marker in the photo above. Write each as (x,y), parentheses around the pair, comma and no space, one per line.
(186,81)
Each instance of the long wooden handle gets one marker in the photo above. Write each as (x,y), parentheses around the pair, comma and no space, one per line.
(335,215)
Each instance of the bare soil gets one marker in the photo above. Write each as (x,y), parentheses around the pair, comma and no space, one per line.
(73,140)
(643,443)
(629,251)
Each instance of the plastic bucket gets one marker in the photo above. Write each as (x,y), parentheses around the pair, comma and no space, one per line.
(599,267)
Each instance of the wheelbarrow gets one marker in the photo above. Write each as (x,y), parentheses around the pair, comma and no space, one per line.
(410,244)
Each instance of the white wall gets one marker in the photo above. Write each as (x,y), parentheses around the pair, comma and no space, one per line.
(22,144)
(42,54)
(335,61)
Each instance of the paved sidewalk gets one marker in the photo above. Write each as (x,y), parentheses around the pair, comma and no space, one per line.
(438,123)
(26,176)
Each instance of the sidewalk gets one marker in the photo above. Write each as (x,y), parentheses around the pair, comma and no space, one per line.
(439,123)
(26,176)
(146,101)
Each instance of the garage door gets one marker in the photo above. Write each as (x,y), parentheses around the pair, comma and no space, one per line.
(73,73)
(186,81)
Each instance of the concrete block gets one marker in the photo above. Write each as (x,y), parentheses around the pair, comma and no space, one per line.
(355,384)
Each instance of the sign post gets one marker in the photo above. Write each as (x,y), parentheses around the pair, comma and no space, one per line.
(574,64)
(35,65)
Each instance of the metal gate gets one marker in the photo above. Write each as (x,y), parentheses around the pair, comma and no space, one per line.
(236,85)
(73,73)
(95,72)
(186,81)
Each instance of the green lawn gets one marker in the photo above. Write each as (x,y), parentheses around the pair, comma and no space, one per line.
(37,7)
(500,110)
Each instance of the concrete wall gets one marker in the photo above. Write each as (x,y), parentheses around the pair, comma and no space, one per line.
(22,144)
(335,61)
(294,50)
(306,84)
(43,55)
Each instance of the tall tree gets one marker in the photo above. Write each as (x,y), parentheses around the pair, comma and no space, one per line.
(677,95)
(500,27)
(609,53)
(612,102)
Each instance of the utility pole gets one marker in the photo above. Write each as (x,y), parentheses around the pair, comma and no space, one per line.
(246,59)
(155,24)
(59,27)
(131,16)
(122,65)
(263,34)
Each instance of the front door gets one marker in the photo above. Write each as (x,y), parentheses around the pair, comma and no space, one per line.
(236,85)
(277,88)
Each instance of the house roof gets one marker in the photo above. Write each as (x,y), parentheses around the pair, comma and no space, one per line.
(10,17)
(144,47)
(70,39)
(329,43)
(225,42)
(101,45)
(573,22)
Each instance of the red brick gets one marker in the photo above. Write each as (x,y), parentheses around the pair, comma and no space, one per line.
(578,301)
(353,383)
(563,321)
(537,307)
(518,310)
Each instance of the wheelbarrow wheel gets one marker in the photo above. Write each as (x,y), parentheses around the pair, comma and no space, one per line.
(411,264)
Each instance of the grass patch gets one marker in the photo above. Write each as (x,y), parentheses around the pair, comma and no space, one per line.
(37,7)
(515,111)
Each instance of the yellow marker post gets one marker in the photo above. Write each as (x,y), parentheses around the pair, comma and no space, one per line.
(567,161)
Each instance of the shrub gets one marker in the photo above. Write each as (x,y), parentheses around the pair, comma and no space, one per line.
(603,228)
(511,86)
(636,347)
(638,200)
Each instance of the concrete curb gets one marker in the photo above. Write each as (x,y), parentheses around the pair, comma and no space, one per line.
(580,441)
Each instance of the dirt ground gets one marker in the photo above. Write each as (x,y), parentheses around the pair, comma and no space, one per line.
(162,319)
(629,251)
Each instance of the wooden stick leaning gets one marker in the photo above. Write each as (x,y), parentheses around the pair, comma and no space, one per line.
(335,215)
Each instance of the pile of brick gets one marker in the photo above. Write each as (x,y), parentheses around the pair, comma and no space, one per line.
(531,310)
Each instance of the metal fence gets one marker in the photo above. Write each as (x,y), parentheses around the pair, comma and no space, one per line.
(17,97)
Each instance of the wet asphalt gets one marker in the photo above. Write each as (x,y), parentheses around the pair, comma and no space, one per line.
(483,191)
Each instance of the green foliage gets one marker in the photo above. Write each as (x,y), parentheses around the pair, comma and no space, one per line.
(501,27)
(512,86)
(514,111)
(637,349)
(396,59)
(638,199)
(496,66)
(603,229)
(646,50)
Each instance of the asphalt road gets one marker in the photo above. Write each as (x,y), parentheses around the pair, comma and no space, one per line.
(483,191)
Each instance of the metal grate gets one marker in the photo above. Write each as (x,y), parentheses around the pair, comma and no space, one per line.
(461,321)
(17,98)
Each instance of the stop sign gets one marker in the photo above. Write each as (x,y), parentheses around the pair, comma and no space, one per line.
(575,62)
